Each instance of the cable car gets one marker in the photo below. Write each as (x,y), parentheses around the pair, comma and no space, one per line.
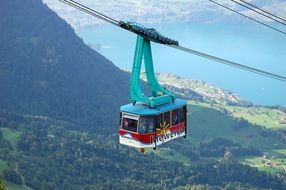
(144,127)
(150,121)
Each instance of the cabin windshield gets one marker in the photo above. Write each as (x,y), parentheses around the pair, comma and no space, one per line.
(147,124)
(129,124)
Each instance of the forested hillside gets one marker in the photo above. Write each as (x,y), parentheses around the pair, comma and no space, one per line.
(45,69)
(59,109)
(41,153)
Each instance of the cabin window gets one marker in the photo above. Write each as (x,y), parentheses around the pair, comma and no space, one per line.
(159,119)
(120,119)
(166,118)
(175,117)
(129,124)
(182,114)
(146,124)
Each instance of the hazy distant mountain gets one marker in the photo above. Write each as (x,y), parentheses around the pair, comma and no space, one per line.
(154,11)
(45,69)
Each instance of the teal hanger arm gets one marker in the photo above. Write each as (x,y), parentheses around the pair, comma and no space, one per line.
(159,94)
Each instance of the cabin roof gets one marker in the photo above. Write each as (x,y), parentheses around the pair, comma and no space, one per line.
(141,109)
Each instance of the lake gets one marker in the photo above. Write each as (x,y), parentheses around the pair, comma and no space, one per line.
(249,44)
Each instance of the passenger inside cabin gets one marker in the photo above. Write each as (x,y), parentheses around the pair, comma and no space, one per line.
(151,127)
(129,124)
(175,118)
(146,124)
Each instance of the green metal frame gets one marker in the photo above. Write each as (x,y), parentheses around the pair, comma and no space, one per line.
(159,94)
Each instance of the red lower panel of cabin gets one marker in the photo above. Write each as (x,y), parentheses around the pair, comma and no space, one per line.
(161,135)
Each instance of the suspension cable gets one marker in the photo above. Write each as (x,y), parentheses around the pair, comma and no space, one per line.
(265,11)
(258,12)
(230,63)
(90,11)
(248,17)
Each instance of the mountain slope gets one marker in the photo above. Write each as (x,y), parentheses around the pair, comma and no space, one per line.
(45,69)
(46,155)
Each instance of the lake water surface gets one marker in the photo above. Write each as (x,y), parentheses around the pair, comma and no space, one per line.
(247,44)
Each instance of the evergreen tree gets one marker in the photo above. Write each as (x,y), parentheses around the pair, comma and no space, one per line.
(2,187)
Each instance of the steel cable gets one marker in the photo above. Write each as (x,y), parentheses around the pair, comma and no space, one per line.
(230,63)
(258,12)
(248,17)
